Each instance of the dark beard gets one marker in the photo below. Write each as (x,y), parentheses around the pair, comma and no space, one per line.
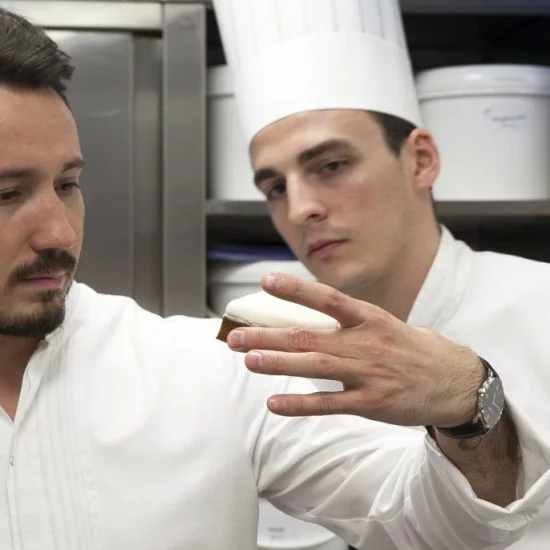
(39,324)
(52,312)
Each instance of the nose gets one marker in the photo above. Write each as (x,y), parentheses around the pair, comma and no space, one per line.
(52,226)
(305,203)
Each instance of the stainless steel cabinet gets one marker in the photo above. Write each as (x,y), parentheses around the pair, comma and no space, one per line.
(102,96)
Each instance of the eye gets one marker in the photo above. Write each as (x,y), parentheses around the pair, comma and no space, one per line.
(67,187)
(333,167)
(275,190)
(9,196)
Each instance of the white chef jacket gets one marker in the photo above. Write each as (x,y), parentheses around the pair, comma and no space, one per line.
(140,433)
(499,306)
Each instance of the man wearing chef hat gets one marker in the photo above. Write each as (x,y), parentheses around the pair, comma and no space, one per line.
(327,101)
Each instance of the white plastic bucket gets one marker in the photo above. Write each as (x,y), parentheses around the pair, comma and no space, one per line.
(230,175)
(491,124)
(277,531)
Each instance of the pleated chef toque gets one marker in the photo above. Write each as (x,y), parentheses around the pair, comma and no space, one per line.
(290,56)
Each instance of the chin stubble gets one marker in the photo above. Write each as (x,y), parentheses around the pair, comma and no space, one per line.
(50,304)
(40,323)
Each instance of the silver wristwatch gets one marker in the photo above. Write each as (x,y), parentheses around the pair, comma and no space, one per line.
(490,405)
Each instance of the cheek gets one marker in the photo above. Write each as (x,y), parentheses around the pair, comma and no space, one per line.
(380,193)
(78,225)
(286,230)
(355,200)
(76,217)
(11,249)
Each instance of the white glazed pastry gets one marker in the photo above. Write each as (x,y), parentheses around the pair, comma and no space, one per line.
(264,310)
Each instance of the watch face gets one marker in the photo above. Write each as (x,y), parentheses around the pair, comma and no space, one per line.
(493,402)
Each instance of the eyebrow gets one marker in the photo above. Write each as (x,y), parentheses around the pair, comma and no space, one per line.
(329,146)
(264,174)
(22,173)
(77,162)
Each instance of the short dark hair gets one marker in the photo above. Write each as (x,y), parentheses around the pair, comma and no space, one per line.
(396,130)
(29,58)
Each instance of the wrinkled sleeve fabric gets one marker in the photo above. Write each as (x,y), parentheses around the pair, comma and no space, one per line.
(378,486)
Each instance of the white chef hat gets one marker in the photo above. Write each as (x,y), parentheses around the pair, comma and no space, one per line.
(290,56)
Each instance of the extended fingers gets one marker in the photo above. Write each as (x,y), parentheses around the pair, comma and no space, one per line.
(369,341)
(315,404)
(304,365)
(281,339)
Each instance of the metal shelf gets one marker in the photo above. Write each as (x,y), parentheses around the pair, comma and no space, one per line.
(477,7)
(493,209)
(249,222)
(444,209)
(232,221)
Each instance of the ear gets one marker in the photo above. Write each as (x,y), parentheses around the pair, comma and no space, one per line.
(422,158)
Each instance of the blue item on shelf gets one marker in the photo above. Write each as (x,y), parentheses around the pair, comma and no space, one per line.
(248,253)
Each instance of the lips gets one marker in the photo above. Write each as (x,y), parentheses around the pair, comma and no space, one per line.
(323,247)
(51,276)
(44,281)
(50,266)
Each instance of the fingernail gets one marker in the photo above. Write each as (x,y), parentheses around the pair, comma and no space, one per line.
(270,282)
(276,404)
(236,338)
(254,360)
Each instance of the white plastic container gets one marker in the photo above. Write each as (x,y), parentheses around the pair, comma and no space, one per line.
(491,124)
(230,280)
(277,531)
(230,175)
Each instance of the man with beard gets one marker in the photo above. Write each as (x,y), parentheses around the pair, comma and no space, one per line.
(327,100)
(120,429)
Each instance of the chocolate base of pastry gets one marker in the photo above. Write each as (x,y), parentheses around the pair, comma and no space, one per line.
(228,324)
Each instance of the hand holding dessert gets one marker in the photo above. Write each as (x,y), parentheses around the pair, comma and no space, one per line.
(391,372)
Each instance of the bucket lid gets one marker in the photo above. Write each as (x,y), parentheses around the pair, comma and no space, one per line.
(251,273)
(483,79)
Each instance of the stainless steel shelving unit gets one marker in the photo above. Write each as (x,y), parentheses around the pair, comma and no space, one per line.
(480,223)
(249,221)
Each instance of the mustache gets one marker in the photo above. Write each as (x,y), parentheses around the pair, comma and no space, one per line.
(48,260)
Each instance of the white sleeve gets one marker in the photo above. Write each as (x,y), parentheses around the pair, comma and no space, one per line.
(378,486)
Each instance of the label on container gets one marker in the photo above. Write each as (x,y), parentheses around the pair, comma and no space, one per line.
(506,116)
(280,532)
